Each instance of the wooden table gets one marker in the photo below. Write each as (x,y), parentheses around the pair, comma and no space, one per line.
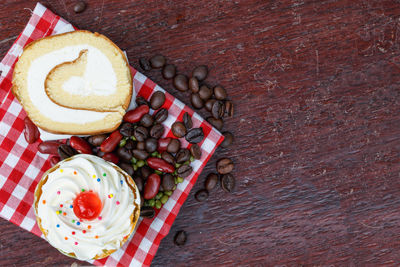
(316,91)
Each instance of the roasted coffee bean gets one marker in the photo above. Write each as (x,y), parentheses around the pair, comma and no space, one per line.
(66,151)
(124,154)
(157,100)
(205,93)
(201,195)
(178,129)
(144,64)
(140,154)
(180,238)
(141,145)
(31,131)
(49,147)
(181,82)
(79,7)
(200,72)
(194,85)
(169,71)
(80,145)
(127,129)
(157,131)
(161,115)
(139,182)
(187,121)
(218,109)
(140,101)
(174,146)
(182,155)
(209,104)
(127,168)
(195,150)
(196,101)
(151,145)
(195,135)
(168,182)
(168,157)
(219,92)
(141,133)
(147,212)
(157,61)
(54,160)
(211,181)
(224,166)
(111,157)
(145,171)
(96,140)
(184,171)
(217,123)
(147,120)
(100,153)
(228,109)
(141,204)
(130,144)
(228,182)
(228,140)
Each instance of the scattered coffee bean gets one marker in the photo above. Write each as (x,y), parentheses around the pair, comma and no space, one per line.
(184,171)
(141,145)
(180,238)
(144,64)
(217,123)
(201,195)
(228,182)
(80,7)
(157,61)
(218,109)
(228,109)
(195,150)
(200,72)
(66,151)
(168,182)
(174,146)
(181,82)
(228,140)
(127,168)
(187,120)
(209,104)
(147,212)
(139,182)
(211,181)
(157,131)
(151,145)
(126,130)
(140,154)
(224,166)
(145,171)
(196,101)
(205,93)
(161,115)
(194,85)
(182,155)
(157,100)
(96,140)
(130,144)
(219,92)
(141,101)
(169,71)
(141,133)
(146,121)
(178,129)
(124,154)
(195,135)
(168,157)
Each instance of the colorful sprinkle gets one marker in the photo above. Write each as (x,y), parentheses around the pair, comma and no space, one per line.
(75,173)
(73,233)
(64,213)
(96,236)
(58,225)
(71,206)
(61,170)
(104,174)
(94,176)
(76,243)
(100,218)
(83,190)
(84,231)
(78,223)
(89,226)
(61,205)
(58,192)
(44,201)
(66,238)
(98,179)
(110,195)
(58,211)
(73,221)
(122,182)
(117,203)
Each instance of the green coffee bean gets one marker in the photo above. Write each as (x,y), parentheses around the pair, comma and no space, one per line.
(133,138)
(135,167)
(133,160)
(140,163)
(158,204)
(164,199)
(154,154)
(168,193)
(159,195)
(152,202)
(186,162)
(177,165)
(122,142)
(174,187)
(158,172)
(179,179)
(191,158)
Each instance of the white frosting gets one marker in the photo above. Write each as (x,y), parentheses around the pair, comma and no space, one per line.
(64,184)
(42,65)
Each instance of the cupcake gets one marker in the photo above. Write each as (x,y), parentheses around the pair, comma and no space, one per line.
(86,207)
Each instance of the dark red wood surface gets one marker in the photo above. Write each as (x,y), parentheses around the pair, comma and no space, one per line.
(317,125)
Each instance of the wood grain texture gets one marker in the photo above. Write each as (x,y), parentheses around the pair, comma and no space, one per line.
(317,126)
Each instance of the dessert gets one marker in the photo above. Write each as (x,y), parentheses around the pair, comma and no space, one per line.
(86,207)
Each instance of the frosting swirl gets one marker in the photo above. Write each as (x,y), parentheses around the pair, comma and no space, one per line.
(87,239)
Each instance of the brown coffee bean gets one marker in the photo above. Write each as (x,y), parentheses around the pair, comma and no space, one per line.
(228,140)
(141,133)
(140,154)
(146,121)
(201,195)
(96,140)
(228,109)
(168,182)
(180,238)
(218,109)
(224,166)
(66,151)
(151,145)
(209,104)
(195,150)
(219,92)
(169,71)
(200,72)
(127,129)
(140,101)
(147,212)
(141,145)
(194,85)
(184,171)
(187,120)
(161,115)
(157,61)
(195,135)
(124,154)
(196,101)
(127,168)
(181,82)
(145,171)
(168,157)
(205,93)
(139,182)
(174,146)
(157,131)
(79,7)
(157,100)
(130,144)
(228,182)
(217,123)
(144,64)
(211,181)
(178,129)
(182,155)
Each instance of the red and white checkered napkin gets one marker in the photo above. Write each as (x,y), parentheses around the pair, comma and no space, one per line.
(21,165)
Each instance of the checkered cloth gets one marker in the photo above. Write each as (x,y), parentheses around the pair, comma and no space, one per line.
(22,166)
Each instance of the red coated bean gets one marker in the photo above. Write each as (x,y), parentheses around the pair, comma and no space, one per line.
(49,147)
(111,142)
(111,157)
(136,114)
(31,131)
(152,186)
(80,145)
(54,160)
(163,144)
(160,165)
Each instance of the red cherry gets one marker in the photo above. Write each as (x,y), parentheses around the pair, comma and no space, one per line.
(87,205)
